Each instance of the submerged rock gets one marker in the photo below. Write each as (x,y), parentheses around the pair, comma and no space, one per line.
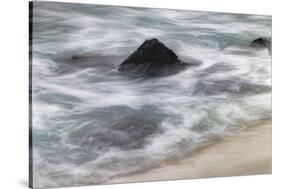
(231,86)
(261,43)
(152,58)
(124,128)
(130,132)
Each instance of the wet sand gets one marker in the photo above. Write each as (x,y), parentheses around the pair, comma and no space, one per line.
(246,153)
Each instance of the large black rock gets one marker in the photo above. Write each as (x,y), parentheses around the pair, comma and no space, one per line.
(152,58)
(261,43)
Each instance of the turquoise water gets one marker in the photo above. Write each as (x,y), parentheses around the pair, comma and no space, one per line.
(91,124)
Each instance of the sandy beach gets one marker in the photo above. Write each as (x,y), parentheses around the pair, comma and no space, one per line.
(246,153)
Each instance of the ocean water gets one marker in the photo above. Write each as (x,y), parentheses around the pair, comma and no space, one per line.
(91,123)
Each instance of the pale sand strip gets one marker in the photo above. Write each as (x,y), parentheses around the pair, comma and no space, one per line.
(246,153)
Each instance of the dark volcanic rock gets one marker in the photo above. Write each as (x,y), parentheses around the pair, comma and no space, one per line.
(152,58)
(261,43)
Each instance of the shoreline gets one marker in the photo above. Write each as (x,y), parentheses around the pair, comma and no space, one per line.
(248,152)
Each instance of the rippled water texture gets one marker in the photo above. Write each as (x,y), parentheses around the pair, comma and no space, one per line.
(91,123)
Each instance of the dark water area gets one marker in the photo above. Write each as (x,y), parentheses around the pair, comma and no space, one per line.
(91,123)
